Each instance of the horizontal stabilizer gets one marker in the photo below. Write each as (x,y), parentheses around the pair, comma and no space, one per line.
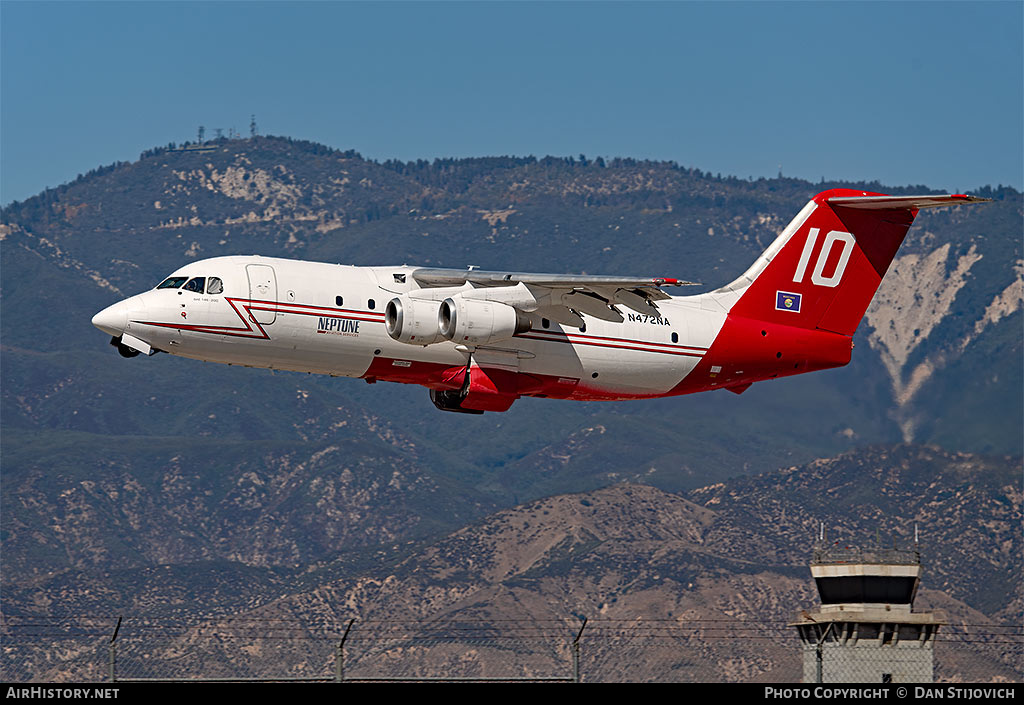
(904,202)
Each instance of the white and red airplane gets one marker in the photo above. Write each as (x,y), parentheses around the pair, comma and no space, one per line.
(479,340)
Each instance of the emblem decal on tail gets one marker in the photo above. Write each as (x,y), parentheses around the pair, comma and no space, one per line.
(785,301)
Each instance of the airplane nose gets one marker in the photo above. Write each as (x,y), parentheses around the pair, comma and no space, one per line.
(112,319)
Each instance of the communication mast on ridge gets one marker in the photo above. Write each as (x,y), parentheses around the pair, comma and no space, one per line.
(252,126)
(202,133)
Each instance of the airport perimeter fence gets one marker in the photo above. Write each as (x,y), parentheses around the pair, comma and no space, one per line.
(568,650)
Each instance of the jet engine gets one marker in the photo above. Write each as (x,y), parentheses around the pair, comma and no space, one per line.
(479,322)
(412,321)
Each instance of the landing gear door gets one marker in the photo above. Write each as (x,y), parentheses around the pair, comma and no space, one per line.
(263,291)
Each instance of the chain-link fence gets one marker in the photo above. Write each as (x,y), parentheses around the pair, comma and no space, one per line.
(568,650)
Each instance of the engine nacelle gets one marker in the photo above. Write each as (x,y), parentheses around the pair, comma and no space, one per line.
(412,321)
(479,322)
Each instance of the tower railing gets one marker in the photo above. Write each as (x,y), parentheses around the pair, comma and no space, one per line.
(849,554)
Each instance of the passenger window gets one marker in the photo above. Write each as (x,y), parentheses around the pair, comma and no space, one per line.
(338,301)
(195,285)
(545,322)
(215,286)
(172,283)
(675,337)
(371,304)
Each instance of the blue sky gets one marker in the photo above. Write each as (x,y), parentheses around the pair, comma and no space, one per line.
(906,93)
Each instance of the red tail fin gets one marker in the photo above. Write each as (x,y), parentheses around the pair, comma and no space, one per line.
(825,267)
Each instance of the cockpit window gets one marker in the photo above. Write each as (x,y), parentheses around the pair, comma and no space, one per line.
(172,282)
(195,284)
(214,286)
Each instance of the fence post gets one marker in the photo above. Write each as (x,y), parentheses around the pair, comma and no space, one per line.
(820,655)
(339,657)
(113,651)
(576,652)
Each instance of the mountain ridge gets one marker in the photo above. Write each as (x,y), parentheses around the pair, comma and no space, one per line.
(719,560)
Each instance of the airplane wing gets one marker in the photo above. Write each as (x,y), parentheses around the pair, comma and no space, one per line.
(561,297)
(457,277)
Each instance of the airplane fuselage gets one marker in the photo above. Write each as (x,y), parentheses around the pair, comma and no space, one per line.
(329,319)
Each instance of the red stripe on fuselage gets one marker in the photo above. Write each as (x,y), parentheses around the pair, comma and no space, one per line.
(285,307)
(620,343)
(250,305)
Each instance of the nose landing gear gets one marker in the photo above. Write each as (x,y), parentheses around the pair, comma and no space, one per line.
(123,349)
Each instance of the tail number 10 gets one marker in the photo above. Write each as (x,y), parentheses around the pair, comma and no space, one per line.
(818,275)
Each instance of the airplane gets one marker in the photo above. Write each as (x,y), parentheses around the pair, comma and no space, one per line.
(479,340)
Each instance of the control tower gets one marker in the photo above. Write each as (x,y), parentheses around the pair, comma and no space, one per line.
(865,630)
